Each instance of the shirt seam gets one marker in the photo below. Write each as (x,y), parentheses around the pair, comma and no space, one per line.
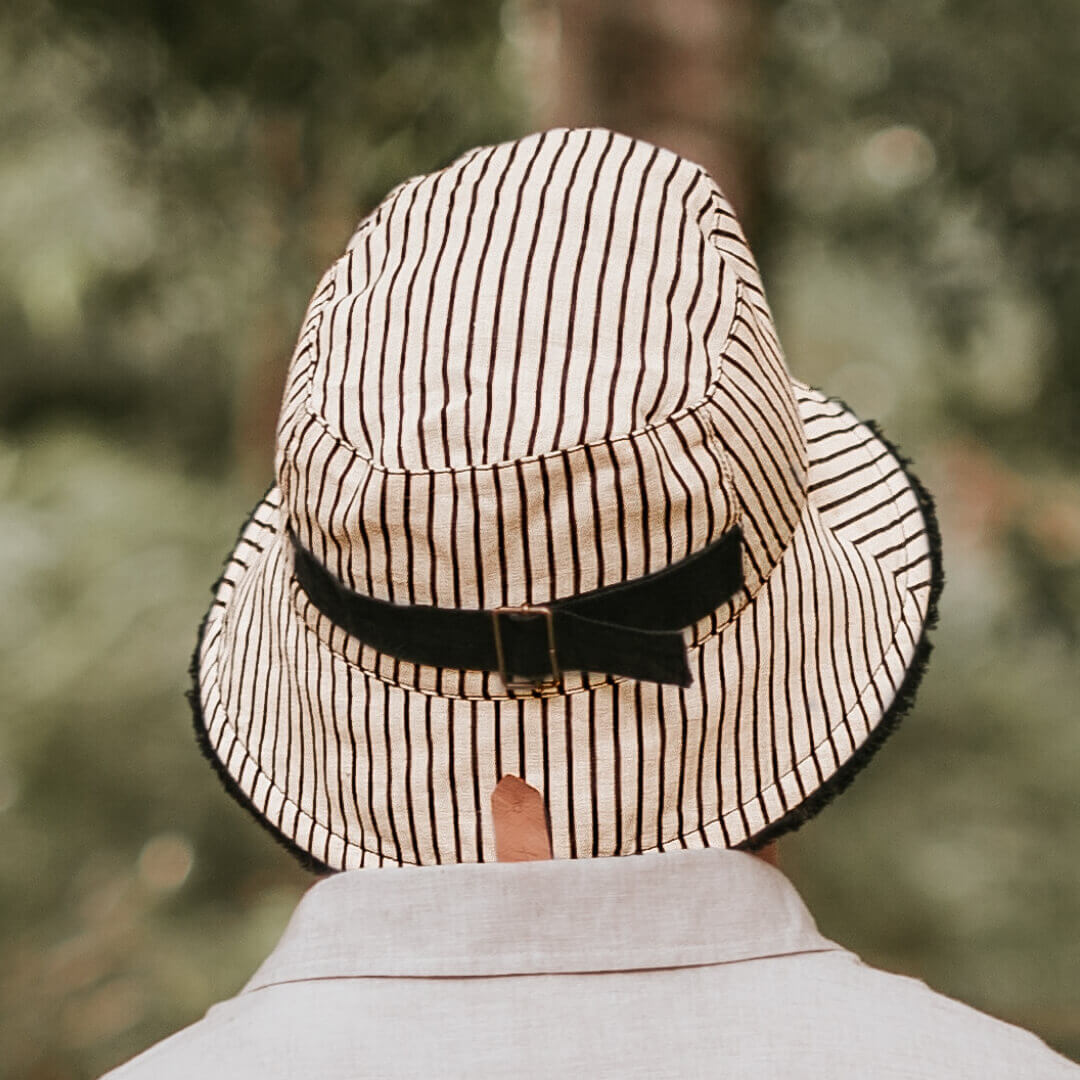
(621,969)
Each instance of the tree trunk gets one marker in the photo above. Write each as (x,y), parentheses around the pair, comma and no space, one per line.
(678,73)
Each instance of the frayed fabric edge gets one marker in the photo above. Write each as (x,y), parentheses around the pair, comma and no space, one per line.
(814,803)
(209,751)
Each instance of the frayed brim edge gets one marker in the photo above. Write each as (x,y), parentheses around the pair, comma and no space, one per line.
(815,802)
(202,735)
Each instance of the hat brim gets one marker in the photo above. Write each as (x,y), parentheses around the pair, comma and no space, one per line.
(354,759)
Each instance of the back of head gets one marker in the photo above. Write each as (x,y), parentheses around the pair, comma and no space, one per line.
(538,420)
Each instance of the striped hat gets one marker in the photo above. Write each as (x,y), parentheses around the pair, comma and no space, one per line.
(549,504)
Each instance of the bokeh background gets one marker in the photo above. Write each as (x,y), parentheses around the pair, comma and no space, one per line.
(173,179)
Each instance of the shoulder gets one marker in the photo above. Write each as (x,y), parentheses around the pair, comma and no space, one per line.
(221,1044)
(813,1016)
(307,1028)
(915,1031)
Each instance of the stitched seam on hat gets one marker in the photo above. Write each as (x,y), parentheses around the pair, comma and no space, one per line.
(412,685)
(606,440)
(646,432)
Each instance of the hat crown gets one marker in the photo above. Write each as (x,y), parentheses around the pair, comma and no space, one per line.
(547,368)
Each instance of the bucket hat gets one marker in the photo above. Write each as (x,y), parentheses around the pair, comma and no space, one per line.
(548,503)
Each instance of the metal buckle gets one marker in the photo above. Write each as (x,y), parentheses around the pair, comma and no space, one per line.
(536,687)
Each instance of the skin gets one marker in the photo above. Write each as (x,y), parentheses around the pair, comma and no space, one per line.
(521,832)
(770,854)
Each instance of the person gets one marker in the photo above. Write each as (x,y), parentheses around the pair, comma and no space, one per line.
(567,598)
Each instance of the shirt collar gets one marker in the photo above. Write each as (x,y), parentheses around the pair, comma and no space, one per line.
(616,914)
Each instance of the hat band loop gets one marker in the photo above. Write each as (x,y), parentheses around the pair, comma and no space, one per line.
(633,629)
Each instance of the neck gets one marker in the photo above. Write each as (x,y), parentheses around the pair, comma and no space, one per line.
(770,854)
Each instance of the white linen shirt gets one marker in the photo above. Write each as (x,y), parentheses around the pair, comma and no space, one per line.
(687,964)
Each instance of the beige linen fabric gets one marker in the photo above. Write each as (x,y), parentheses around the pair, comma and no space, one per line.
(689,964)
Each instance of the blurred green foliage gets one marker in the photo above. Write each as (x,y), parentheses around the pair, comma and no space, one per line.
(921,238)
(175,177)
(943,139)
